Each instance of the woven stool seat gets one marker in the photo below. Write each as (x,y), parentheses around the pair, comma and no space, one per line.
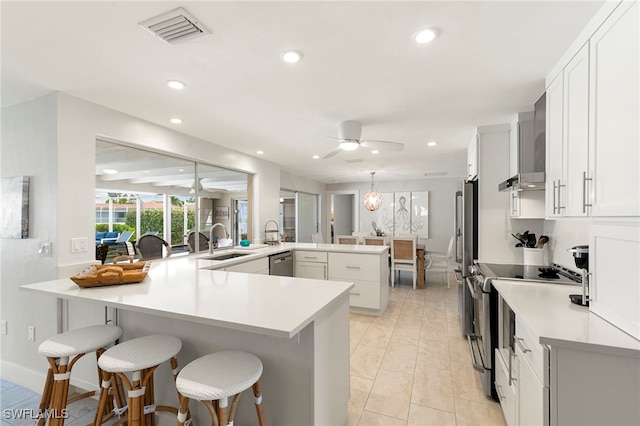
(219,375)
(138,354)
(213,378)
(79,341)
(133,362)
(62,352)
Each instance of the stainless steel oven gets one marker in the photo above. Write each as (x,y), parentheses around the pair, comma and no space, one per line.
(484,339)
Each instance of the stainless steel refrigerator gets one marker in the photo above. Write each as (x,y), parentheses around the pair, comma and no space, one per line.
(466,245)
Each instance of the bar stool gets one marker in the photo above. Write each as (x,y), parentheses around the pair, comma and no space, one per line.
(58,349)
(140,356)
(213,378)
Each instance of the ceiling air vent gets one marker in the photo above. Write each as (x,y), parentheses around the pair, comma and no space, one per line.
(175,26)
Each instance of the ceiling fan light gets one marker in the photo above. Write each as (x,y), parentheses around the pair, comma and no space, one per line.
(349,145)
(424,36)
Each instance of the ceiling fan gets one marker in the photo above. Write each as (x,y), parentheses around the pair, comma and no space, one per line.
(349,133)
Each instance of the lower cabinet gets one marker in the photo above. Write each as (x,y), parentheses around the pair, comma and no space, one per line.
(368,271)
(310,264)
(315,270)
(505,388)
(531,394)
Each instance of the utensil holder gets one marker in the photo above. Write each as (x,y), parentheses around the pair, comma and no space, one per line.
(534,256)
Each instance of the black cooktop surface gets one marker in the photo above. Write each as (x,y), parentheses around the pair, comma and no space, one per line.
(539,273)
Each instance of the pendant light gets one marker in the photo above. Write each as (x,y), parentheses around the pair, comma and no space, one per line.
(372,200)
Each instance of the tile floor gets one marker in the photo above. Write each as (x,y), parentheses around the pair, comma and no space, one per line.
(409,367)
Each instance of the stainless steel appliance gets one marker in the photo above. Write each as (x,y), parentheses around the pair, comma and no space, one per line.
(531,152)
(484,339)
(281,264)
(466,249)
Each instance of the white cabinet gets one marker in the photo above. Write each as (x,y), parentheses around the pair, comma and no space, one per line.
(258,266)
(505,387)
(369,273)
(472,159)
(567,138)
(614,251)
(614,133)
(526,204)
(310,264)
(531,394)
(315,270)
(554,147)
(592,124)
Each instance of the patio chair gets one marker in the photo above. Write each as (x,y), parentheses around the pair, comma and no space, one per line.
(203,242)
(150,247)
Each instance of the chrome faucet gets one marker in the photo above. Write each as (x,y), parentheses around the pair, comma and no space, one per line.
(211,243)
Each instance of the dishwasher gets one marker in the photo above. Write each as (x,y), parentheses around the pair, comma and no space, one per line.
(281,264)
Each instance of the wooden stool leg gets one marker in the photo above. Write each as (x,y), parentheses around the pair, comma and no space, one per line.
(106,383)
(58,397)
(222,411)
(136,401)
(257,394)
(183,411)
(45,401)
(149,398)
(212,412)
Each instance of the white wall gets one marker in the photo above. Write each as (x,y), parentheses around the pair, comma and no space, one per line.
(29,148)
(441,205)
(564,234)
(52,139)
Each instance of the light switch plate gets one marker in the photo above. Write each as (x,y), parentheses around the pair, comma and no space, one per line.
(79,245)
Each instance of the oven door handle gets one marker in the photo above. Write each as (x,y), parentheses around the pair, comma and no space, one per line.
(472,338)
(474,293)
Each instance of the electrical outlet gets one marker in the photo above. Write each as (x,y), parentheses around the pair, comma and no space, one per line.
(79,245)
(3,327)
(31,333)
(45,248)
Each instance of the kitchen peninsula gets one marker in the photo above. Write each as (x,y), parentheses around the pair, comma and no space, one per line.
(298,327)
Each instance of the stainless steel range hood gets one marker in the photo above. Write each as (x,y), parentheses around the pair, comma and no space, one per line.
(530,157)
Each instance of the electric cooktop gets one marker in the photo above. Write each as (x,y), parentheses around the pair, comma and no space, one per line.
(538,273)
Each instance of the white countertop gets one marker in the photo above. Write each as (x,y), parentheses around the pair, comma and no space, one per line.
(180,288)
(546,308)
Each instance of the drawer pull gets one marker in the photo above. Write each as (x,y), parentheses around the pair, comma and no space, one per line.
(310,257)
(352,267)
(519,341)
(354,293)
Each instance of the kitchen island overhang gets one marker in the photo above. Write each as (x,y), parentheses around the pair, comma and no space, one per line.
(298,327)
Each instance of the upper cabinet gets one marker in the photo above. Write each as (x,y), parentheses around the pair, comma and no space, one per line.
(614,137)
(592,124)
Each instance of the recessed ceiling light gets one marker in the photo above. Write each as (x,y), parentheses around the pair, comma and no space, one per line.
(175,84)
(181,170)
(375,151)
(315,157)
(432,143)
(259,152)
(147,171)
(291,56)
(110,171)
(424,36)
(175,120)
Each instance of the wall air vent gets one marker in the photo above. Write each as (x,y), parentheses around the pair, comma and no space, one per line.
(356,160)
(174,26)
(435,174)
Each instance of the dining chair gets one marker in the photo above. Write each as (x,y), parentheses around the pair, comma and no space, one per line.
(316,237)
(403,257)
(440,262)
(347,239)
(150,247)
(375,241)
(203,242)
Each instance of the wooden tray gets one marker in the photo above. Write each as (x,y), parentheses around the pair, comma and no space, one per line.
(114,274)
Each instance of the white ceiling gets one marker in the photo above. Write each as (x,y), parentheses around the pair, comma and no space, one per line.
(359,63)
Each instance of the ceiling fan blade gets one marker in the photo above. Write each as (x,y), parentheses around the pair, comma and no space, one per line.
(382,145)
(332,153)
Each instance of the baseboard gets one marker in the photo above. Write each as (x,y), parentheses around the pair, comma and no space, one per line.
(34,380)
(30,379)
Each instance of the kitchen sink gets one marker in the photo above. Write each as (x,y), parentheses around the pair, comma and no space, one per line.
(226,256)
